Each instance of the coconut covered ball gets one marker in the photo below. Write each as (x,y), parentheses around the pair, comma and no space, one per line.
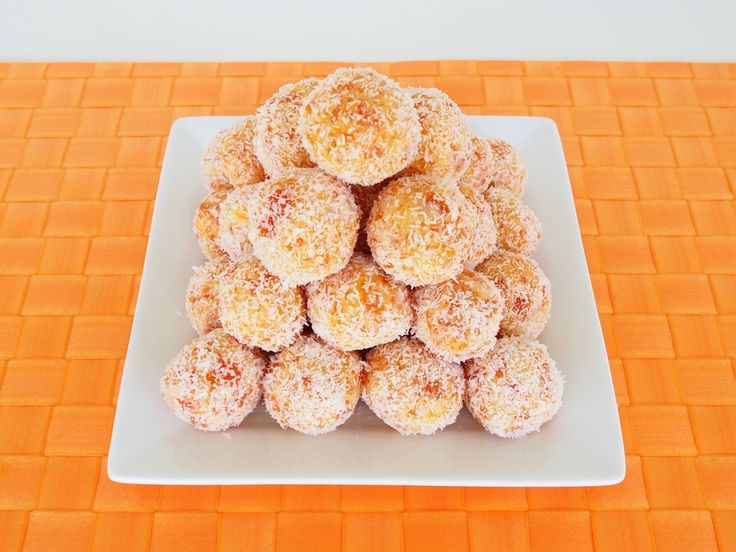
(420,230)
(484,239)
(360,126)
(230,160)
(312,387)
(365,197)
(258,308)
(303,225)
(232,231)
(459,319)
(446,145)
(509,168)
(477,178)
(207,225)
(411,389)
(525,290)
(515,388)
(278,144)
(202,303)
(213,383)
(518,228)
(359,307)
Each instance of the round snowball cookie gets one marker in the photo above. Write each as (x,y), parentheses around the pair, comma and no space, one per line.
(207,225)
(303,225)
(420,231)
(459,319)
(258,308)
(446,144)
(411,389)
(278,144)
(515,388)
(312,387)
(518,228)
(359,307)
(484,239)
(480,169)
(202,304)
(213,383)
(509,168)
(360,126)
(212,169)
(525,290)
(232,232)
(230,160)
(365,197)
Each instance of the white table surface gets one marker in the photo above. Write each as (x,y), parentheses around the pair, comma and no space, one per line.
(376,30)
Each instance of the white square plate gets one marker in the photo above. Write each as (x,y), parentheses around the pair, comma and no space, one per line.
(582,445)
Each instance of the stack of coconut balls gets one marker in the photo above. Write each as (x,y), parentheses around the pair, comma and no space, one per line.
(362,242)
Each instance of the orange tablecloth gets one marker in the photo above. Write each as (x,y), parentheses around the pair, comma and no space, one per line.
(652,155)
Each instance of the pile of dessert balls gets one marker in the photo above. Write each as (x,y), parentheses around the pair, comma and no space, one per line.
(362,242)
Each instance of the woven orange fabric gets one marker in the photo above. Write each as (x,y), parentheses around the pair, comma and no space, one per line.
(651,150)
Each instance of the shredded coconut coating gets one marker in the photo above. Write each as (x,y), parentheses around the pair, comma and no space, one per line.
(278,144)
(515,388)
(484,239)
(359,307)
(411,389)
(365,197)
(207,225)
(459,319)
(232,232)
(258,308)
(360,126)
(446,145)
(230,160)
(202,303)
(303,225)
(420,231)
(525,290)
(213,383)
(312,387)
(212,168)
(509,168)
(519,230)
(477,178)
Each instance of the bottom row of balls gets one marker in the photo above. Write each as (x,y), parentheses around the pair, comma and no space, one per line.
(215,382)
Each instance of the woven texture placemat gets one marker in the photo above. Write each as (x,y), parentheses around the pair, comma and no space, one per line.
(651,150)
